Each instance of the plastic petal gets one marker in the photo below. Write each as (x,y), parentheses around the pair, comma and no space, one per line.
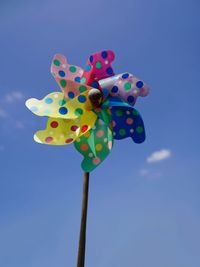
(72,89)
(55,105)
(126,86)
(62,71)
(127,122)
(98,67)
(62,132)
(114,101)
(95,145)
(105,115)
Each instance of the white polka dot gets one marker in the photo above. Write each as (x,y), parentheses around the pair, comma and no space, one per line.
(78,140)
(114,133)
(109,145)
(128,112)
(131,130)
(90,155)
(71,135)
(106,62)
(51,132)
(105,140)
(63,65)
(56,95)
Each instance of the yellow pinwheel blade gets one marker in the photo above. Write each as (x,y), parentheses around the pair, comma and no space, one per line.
(56,105)
(64,131)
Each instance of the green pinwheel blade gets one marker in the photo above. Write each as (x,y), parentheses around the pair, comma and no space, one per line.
(105,115)
(95,145)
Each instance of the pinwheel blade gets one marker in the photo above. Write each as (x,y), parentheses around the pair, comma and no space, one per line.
(56,105)
(98,67)
(114,101)
(63,71)
(127,122)
(95,145)
(126,86)
(105,115)
(62,132)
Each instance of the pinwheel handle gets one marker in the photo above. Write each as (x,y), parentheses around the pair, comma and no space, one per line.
(82,238)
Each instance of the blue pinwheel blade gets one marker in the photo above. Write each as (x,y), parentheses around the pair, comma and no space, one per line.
(127,122)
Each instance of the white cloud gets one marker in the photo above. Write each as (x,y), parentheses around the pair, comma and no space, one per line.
(150,174)
(159,155)
(144,172)
(13,96)
(7,101)
(3,113)
(19,124)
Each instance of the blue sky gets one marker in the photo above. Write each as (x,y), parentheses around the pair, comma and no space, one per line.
(142,212)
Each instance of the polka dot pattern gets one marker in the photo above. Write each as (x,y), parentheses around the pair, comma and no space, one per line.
(63,83)
(84,147)
(48,100)
(63,110)
(55,106)
(54,124)
(98,67)
(62,102)
(82,99)
(95,147)
(71,89)
(114,89)
(63,71)
(72,118)
(127,122)
(70,94)
(126,86)
(62,131)
(78,111)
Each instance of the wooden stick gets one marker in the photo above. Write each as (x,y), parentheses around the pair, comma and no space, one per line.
(82,237)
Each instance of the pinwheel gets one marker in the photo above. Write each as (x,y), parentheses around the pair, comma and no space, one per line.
(94,108)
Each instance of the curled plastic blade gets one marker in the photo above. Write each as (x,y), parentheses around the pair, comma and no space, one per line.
(95,145)
(72,89)
(63,71)
(114,101)
(98,67)
(55,105)
(62,132)
(126,86)
(127,122)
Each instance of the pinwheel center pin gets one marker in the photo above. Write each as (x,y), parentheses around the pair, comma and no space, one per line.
(94,108)
(96,97)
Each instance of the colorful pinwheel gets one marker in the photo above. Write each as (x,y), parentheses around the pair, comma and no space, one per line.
(94,107)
